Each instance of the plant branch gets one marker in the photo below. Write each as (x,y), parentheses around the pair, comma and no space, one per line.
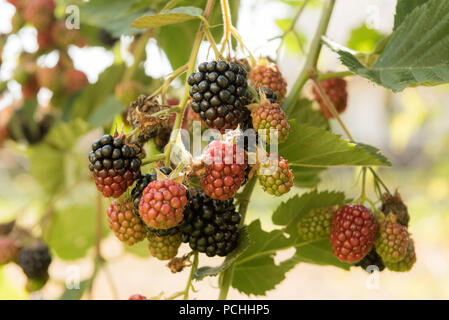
(312,57)
(333,75)
(225,279)
(153,158)
(292,26)
(192,272)
(191,68)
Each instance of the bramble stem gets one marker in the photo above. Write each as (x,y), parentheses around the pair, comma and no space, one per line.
(312,57)
(291,27)
(333,75)
(191,68)
(192,272)
(225,279)
(153,158)
(227,24)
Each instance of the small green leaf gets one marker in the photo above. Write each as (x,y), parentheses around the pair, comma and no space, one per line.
(106,111)
(164,18)
(73,231)
(230,258)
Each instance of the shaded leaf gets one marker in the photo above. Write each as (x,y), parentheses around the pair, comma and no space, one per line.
(75,294)
(106,111)
(403,8)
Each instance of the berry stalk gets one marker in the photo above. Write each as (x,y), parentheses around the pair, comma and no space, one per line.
(191,68)
(312,57)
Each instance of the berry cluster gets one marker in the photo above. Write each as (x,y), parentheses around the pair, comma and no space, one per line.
(210,226)
(269,117)
(218,91)
(276,179)
(114,164)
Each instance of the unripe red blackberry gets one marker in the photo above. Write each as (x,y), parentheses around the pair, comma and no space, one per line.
(225,170)
(210,226)
(372,259)
(165,247)
(50,78)
(39,13)
(394,204)
(218,91)
(34,260)
(316,224)
(276,178)
(335,89)
(270,116)
(136,195)
(74,80)
(128,91)
(393,239)
(162,204)
(353,232)
(126,225)
(8,250)
(137,297)
(405,264)
(266,74)
(115,165)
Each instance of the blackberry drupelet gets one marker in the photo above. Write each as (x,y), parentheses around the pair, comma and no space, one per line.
(371,259)
(210,226)
(115,165)
(219,91)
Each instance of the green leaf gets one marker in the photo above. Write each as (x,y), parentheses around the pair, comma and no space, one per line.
(75,294)
(113,15)
(73,231)
(50,159)
(403,8)
(164,18)
(364,39)
(106,111)
(315,147)
(303,113)
(417,52)
(230,258)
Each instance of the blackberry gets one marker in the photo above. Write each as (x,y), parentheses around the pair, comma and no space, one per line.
(20,128)
(106,38)
(219,91)
(394,204)
(316,224)
(371,259)
(34,260)
(210,226)
(136,195)
(266,74)
(115,165)
(270,95)
(336,90)
(353,232)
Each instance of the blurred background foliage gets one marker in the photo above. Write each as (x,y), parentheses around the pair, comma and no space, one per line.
(48,181)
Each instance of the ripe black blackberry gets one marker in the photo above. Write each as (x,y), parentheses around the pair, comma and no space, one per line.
(136,195)
(371,259)
(34,260)
(115,165)
(219,91)
(210,226)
